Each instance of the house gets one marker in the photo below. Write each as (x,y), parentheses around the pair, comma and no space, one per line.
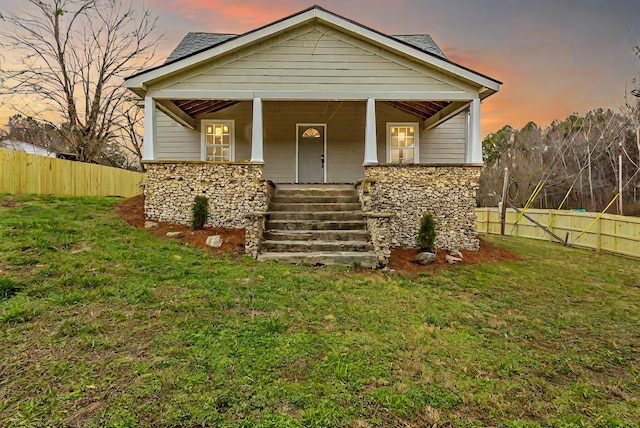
(25,147)
(315,98)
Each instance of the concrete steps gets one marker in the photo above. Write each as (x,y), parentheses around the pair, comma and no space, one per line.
(316,215)
(313,206)
(317,224)
(316,235)
(342,258)
(308,225)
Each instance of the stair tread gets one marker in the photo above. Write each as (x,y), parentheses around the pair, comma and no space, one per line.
(319,232)
(316,253)
(315,241)
(366,259)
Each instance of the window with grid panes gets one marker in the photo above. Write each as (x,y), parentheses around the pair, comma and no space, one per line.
(218,141)
(402,143)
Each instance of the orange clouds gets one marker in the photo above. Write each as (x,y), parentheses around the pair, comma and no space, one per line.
(224,16)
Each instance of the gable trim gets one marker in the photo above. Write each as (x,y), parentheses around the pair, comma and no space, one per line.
(139,81)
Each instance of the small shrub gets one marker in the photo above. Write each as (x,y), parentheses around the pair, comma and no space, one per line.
(427,233)
(200,212)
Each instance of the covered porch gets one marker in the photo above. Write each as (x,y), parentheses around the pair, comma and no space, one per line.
(314,140)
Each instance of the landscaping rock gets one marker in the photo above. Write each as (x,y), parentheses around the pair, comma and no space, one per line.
(424,258)
(214,241)
(456,253)
(174,235)
(150,224)
(452,260)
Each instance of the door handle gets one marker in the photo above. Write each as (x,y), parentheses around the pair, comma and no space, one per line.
(322,159)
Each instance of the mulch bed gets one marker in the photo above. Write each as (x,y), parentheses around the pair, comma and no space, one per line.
(402,258)
(132,211)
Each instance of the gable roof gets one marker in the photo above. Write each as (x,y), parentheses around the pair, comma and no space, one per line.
(422,51)
(195,42)
(422,41)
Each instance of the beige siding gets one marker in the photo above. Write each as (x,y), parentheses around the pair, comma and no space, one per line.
(174,141)
(384,114)
(344,132)
(445,143)
(177,142)
(315,59)
(242,113)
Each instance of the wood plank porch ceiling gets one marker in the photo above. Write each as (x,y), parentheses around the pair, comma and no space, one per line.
(421,109)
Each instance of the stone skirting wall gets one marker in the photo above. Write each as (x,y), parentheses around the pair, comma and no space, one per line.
(448,192)
(235,190)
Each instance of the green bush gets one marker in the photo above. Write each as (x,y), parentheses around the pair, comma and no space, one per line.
(427,233)
(200,212)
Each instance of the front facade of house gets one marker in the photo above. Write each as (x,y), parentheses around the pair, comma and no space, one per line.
(315,98)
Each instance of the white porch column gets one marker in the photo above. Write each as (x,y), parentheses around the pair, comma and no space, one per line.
(149,141)
(257,143)
(370,140)
(474,154)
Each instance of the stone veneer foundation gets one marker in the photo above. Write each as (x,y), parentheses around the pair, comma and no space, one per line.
(235,191)
(407,192)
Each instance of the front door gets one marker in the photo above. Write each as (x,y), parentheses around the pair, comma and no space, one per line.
(311,156)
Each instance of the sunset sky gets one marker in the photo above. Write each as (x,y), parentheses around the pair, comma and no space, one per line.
(554,57)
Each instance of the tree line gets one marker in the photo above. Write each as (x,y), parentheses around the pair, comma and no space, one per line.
(576,158)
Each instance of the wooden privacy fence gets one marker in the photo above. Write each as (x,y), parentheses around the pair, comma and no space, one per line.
(611,233)
(23,173)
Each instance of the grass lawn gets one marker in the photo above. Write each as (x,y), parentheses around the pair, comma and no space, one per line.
(105,325)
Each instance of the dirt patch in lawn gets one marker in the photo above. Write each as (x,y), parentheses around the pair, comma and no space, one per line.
(132,211)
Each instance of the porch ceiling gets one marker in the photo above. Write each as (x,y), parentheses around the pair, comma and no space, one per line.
(197,107)
(421,109)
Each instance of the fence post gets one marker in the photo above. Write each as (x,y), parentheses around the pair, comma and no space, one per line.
(599,235)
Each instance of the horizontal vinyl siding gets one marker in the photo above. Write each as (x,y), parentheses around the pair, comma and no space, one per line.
(445,143)
(174,141)
(344,131)
(345,137)
(384,114)
(242,113)
(345,151)
(316,60)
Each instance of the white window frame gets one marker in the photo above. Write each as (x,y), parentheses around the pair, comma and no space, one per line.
(232,137)
(416,143)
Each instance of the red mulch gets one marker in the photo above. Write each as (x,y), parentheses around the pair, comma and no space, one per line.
(402,258)
(132,211)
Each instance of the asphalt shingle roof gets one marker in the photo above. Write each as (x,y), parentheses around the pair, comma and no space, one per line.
(194,42)
(422,41)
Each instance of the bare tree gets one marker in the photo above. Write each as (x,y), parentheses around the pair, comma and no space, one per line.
(74,55)
(131,132)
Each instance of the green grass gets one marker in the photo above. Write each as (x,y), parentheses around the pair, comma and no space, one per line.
(105,325)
